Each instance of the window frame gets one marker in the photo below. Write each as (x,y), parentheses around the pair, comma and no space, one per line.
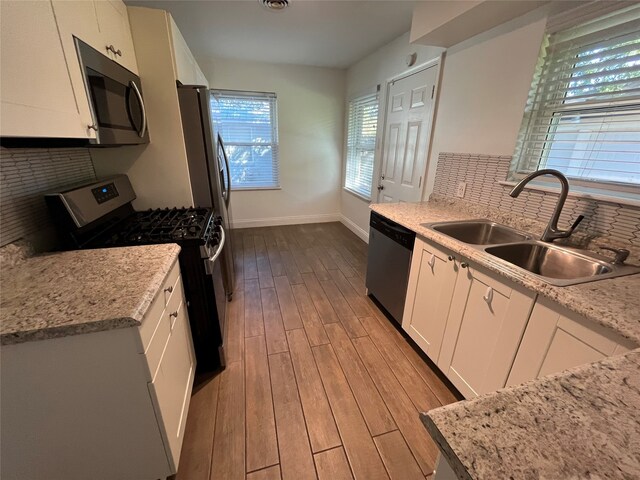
(522,163)
(275,140)
(363,98)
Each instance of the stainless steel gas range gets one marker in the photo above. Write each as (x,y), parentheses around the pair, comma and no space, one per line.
(100,215)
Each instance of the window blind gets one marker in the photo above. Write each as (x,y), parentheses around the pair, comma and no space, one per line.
(247,123)
(583,112)
(361,144)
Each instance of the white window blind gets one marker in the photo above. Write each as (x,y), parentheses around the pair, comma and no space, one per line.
(361,144)
(247,123)
(583,113)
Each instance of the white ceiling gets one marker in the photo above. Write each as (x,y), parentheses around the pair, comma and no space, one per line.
(323,33)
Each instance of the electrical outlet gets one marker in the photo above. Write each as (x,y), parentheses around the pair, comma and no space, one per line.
(462,188)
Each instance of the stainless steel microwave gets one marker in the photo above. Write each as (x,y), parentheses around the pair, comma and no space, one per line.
(115,99)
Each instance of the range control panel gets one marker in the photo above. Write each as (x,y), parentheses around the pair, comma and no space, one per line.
(104,193)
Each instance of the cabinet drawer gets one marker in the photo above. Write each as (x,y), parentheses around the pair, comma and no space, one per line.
(164,329)
(154,313)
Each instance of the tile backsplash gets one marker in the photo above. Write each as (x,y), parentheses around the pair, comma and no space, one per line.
(620,223)
(25,175)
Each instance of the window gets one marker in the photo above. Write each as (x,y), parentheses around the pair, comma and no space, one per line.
(361,144)
(248,125)
(583,113)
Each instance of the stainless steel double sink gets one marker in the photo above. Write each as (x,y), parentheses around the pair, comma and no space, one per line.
(557,265)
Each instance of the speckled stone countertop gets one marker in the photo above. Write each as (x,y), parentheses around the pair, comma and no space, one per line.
(70,293)
(613,303)
(583,423)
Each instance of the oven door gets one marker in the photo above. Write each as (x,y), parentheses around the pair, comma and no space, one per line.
(115,98)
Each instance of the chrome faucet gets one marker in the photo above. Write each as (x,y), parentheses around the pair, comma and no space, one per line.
(551,232)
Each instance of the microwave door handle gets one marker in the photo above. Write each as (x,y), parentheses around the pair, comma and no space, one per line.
(143,129)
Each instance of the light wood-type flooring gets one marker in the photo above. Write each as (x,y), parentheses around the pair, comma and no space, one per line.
(318,382)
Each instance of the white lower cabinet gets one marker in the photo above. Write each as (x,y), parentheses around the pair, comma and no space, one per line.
(485,332)
(485,324)
(430,289)
(102,405)
(557,339)
(468,321)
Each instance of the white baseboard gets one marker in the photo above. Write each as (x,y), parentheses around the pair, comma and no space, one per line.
(293,220)
(360,232)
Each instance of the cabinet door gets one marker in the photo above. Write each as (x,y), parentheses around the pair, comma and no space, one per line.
(36,93)
(557,339)
(171,387)
(431,282)
(484,328)
(115,29)
(77,18)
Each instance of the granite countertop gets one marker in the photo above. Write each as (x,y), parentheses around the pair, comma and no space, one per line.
(579,424)
(613,303)
(82,291)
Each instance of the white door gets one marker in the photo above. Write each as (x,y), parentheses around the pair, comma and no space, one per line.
(407,134)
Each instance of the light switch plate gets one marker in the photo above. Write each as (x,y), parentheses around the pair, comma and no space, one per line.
(462,188)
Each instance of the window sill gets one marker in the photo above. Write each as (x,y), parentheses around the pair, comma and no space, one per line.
(622,198)
(251,189)
(357,195)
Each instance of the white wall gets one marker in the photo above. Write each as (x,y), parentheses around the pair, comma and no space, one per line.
(311,129)
(158,171)
(484,88)
(362,77)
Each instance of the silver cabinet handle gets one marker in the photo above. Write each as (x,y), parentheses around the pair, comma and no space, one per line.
(111,48)
(488,297)
(174,314)
(169,289)
(432,261)
(144,111)
(464,264)
(451,258)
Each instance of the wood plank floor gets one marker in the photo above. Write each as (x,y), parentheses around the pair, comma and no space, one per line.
(319,383)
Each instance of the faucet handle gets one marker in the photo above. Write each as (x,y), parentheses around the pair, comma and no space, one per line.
(621,254)
(576,223)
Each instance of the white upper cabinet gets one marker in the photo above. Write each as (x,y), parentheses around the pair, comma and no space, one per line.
(103,24)
(557,339)
(36,94)
(113,22)
(186,69)
(42,89)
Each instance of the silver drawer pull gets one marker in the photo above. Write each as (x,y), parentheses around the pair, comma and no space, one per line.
(432,261)
(464,264)
(451,258)
(488,297)
(169,289)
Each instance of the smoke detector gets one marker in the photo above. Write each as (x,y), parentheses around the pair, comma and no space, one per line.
(275,5)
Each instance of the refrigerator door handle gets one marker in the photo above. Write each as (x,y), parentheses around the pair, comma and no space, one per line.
(227,187)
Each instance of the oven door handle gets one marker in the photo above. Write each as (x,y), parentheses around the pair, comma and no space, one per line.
(143,129)
(215,256)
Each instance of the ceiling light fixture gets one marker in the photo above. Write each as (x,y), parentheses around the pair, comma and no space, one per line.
(275,5)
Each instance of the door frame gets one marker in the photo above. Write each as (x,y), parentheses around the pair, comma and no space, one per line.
(382,105)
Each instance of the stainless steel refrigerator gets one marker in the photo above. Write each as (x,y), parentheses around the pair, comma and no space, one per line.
(208,166)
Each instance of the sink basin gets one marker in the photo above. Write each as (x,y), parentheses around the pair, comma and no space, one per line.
(551,262)
(479,232)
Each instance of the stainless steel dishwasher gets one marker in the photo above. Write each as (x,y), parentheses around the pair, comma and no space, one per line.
(389,260)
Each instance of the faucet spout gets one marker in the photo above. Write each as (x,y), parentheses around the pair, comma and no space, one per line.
(552,231)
